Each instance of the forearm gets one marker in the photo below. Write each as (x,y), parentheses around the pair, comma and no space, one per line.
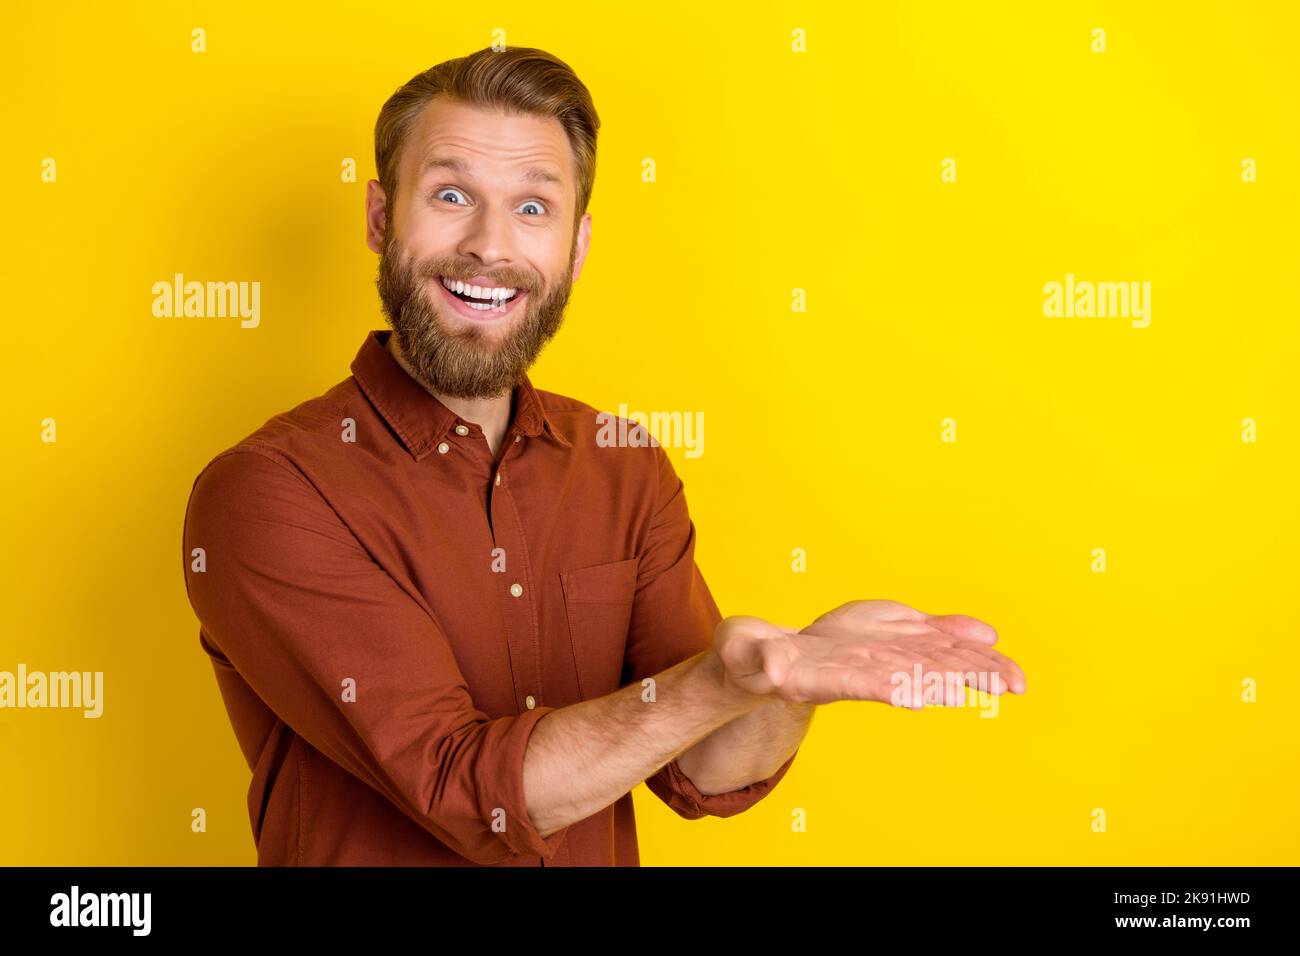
(582,758)
(749,748)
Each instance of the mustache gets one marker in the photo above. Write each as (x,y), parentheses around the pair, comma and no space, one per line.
(432,270)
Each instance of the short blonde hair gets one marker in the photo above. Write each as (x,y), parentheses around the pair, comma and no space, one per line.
(516,80)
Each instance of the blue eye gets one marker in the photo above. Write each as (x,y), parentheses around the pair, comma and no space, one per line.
(448,190)
(532,202)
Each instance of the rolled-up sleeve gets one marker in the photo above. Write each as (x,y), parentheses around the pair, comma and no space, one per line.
(673,618)
(348,659)
(674,788)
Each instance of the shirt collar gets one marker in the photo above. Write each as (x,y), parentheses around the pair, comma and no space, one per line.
(420,420)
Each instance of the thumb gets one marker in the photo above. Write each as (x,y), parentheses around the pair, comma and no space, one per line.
(776,659)
(964,626)
(751,645)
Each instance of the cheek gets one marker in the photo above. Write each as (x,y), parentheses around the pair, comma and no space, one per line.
(423,236)
(544,251)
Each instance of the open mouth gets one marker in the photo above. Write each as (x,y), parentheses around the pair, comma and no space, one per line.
(480,301)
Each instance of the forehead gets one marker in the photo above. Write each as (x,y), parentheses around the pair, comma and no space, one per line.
(488,144)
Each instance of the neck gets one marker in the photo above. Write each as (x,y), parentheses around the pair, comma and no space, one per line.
(490,414)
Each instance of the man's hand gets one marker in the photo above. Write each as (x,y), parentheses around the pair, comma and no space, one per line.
(854,651)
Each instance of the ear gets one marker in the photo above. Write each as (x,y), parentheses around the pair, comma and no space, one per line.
(376,213)
(582,243)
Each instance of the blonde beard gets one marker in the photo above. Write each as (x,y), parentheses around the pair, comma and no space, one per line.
(458,363)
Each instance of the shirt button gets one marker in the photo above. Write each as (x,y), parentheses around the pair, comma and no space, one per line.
(462,430)
(443,448)
(516,589)
(518,437)
(530,701)
(498,481)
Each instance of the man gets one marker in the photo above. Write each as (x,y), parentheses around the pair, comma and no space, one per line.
(449,625)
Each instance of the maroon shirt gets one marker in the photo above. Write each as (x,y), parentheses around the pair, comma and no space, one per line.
(390,611)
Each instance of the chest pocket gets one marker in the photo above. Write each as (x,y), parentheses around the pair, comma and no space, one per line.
(598,604)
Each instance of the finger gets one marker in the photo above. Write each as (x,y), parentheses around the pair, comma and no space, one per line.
(904,695)
(1009,669)
(1008,676)
(979,674)
(957,676)
(906,628)
(881,609)
(897,610)
(912,687)
(964,626)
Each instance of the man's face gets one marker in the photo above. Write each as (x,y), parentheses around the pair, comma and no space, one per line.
(486,199)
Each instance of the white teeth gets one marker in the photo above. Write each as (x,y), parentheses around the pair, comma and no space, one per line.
(492,294)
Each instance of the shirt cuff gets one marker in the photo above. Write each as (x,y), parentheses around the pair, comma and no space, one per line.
(674,788)
(502,797)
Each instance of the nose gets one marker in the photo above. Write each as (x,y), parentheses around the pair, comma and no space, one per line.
(487,240)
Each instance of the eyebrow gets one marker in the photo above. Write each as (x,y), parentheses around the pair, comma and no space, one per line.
(534,174)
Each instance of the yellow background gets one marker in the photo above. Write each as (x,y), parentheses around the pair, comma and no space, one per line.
(775,170)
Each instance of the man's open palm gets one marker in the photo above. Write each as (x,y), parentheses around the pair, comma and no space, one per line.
(855,651)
